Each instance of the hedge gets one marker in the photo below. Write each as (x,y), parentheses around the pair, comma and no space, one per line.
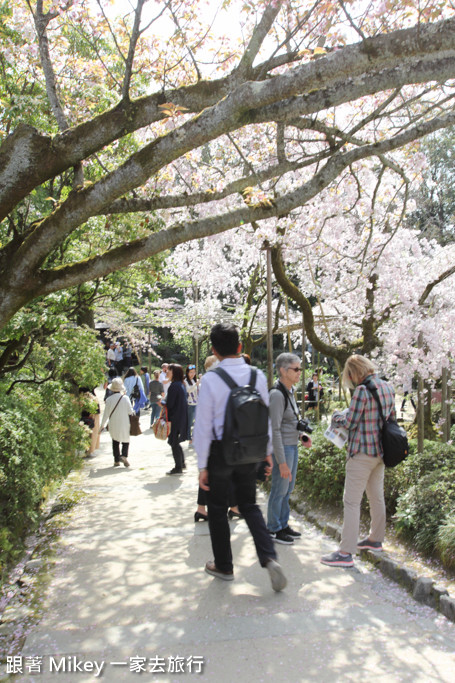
(419,493)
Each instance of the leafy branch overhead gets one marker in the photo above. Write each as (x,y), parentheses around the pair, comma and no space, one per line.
(197,131)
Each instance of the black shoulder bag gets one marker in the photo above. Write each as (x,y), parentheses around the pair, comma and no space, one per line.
(394,439)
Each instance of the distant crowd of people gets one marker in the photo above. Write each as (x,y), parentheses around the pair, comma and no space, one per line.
(198,408)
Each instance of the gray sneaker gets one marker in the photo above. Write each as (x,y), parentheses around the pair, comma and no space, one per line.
(124,460)
(336,559)
(369,545)
(278,579)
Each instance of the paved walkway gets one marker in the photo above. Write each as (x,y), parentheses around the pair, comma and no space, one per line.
(128,591)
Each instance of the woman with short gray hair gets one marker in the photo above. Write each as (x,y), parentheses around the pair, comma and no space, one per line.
(284,416)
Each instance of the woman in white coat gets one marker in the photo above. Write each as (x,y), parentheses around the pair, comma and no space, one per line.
(117,410)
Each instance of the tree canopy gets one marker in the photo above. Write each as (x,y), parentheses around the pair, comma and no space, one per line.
(125,135)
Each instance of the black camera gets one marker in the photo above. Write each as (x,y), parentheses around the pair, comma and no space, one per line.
(304,426)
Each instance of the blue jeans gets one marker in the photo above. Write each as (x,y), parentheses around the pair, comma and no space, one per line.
(191,414)
(278,507)
(156,409)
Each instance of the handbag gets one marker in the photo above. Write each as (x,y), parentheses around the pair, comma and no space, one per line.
(136,391)
(394,438)
(162,426)
(135,427)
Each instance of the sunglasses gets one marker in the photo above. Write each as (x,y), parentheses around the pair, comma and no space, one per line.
(191,367)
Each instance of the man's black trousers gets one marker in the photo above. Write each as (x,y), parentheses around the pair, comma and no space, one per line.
(243,478)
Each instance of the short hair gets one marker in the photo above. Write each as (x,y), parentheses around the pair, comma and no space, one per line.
(209,361)
(356,369)
(177,372)
(144,369)
(225,339)
(285,360)
(156,373)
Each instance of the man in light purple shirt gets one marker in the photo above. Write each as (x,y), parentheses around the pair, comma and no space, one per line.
(215,475)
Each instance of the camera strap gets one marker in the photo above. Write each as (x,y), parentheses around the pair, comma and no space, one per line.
(287,397)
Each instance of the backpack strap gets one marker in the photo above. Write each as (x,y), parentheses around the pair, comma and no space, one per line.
(374,392)
(224,376)
(230,382)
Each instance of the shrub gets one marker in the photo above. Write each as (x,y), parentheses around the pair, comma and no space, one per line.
(423,508)
(39,440)
(428,497)
(320,472)
(420,491)
(40,429)
(436,456)
(445,542)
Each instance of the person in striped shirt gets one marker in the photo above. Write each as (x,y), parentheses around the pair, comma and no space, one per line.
(364,465)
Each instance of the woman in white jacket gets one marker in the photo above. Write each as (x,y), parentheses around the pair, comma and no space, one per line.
(117,410)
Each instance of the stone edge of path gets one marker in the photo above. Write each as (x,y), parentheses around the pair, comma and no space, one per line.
(422,589)
(24,581)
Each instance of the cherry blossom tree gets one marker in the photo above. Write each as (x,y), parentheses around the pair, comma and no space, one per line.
(125,140)
(378,284)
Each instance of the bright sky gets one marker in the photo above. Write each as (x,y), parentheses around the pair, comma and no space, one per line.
(222,20)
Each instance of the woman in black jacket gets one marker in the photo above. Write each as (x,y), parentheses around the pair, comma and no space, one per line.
(177,410)
(315,391)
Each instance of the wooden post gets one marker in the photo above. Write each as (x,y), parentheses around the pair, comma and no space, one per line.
(269,319)
(449,402)
(420,404)
(287,319)
(196,356)
(444,407)
(302,407)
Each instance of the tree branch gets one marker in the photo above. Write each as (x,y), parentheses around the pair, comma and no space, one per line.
(339,352)
(41,21)
(185,200)
(88,201)
(431,285)
(259,34)
(27,161)
(45,282)
(12,347)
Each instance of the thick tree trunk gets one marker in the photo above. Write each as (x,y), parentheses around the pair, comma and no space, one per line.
(341,353)
(86,316)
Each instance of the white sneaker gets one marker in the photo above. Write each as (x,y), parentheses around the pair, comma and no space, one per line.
(278,579)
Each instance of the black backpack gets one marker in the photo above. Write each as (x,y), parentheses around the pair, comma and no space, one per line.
(246,422)
(394,438)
